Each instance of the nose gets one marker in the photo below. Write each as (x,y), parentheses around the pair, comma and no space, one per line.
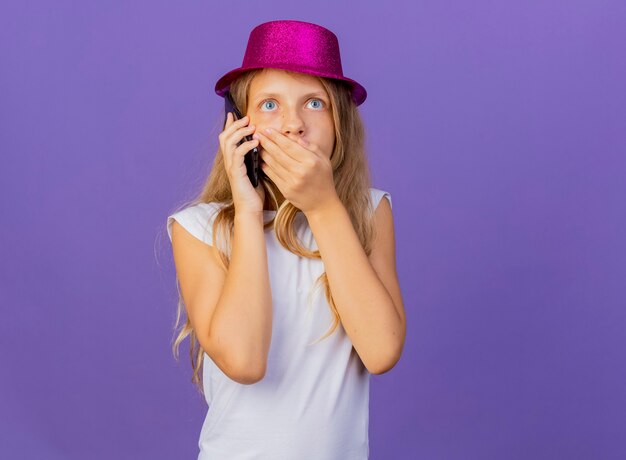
(292,124)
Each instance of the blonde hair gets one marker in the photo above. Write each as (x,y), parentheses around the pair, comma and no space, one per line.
(352,182)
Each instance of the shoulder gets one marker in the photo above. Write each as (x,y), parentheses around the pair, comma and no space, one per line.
(377,195)
(197,219)
(383,223)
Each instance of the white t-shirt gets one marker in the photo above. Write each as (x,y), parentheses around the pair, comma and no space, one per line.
(313,402)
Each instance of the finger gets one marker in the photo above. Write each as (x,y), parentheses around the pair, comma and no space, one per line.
(236,124)
(246,147)
(240,152)
(292,148)
(240,133)
(274,175)
(238,136)
(278,154)
(230,117)
(271,162)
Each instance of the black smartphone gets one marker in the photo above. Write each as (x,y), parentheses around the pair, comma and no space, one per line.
(251,159)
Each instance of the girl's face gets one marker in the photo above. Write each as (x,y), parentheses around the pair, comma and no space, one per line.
(296,105)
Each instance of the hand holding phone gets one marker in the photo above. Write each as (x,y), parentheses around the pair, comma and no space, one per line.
(251,159)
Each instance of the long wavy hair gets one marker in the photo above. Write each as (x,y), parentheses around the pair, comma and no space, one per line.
(352,182)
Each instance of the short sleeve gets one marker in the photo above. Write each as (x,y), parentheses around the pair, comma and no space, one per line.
(197,220)
(378,195)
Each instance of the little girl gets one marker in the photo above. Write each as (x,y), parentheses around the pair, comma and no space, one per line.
(285,370)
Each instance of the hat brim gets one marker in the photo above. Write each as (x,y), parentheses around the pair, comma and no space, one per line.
(359,94)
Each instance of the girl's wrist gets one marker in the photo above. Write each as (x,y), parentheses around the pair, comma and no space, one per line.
(248,216)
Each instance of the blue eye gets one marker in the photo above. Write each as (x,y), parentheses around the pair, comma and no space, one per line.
(319,101)
(267,101)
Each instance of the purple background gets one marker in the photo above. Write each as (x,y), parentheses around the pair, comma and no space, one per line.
(497,127)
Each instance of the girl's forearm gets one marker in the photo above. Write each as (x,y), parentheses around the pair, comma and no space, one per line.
(366,309)
(242,321)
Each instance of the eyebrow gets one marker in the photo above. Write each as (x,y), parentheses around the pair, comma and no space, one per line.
(277,96)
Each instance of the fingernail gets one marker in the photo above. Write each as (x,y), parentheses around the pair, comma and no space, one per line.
(255,136)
